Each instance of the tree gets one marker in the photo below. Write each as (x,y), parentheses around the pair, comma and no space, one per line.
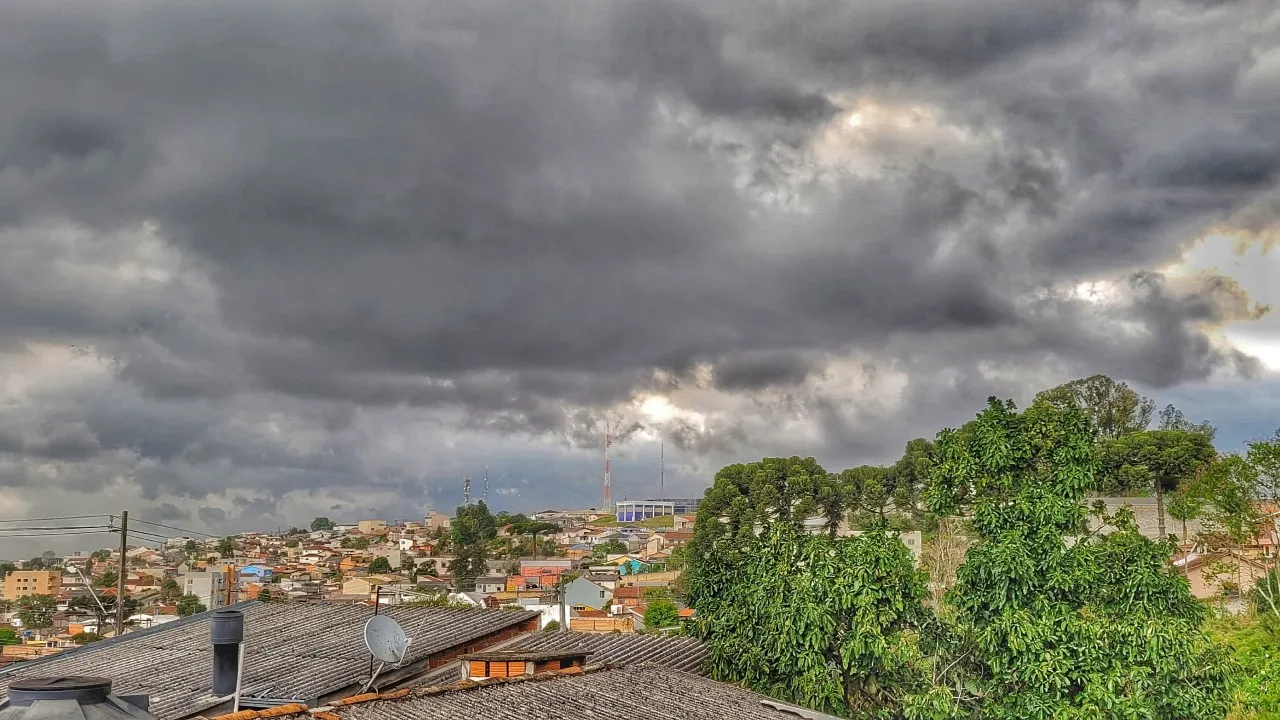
(661,614)
(653,594)
(552,626)
(1051,621)
(84,638)
(36,611)
(190,605)
(35,563)
(355,542)
(190,548)
(226,547)
(8,636)
(609,547)
(1114,409)
(291,543)
(744,496)
(265,595)
(169,590)
(1171,418)
(100,556)
(473,529)
(943,554)
(108,579)
(1156,460)
(822,621)
(380,565)
(86,606)
(6,568)
(321,523)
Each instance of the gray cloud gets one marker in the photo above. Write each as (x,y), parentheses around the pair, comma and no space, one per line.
(372,251)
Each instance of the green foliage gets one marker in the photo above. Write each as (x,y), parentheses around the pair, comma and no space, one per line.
(661,614)
(226,547)
(85,606)
(1255,647)
(609,547)
(102,555)
(825,622)
(1153,460)
(190,548)
(380,565)
(265,595)
(6,568)
(291,543)
(8,636)
(473,529)
(36,563)
(190,605)
(1042,628)
(1113,408)
(321,523)
(355,542)
(169,590)
(652,594)
(746,496)
(1171,418)
(552,626)
(1264,458)
(108,579)
(36,611)
(84,638)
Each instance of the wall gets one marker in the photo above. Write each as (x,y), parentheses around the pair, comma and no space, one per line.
(601,625)
(21,583)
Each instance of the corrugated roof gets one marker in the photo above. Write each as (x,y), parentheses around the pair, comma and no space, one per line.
(678,653)
(646,692)
(292,650)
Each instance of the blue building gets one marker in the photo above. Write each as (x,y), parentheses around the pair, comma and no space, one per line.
(635,510)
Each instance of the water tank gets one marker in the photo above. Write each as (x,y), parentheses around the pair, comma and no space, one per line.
(70,698)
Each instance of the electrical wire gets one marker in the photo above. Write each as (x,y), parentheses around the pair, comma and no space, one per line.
(61,527)
(171,527)
(52,534)
(64,517)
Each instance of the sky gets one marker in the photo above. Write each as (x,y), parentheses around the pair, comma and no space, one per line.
(263,261)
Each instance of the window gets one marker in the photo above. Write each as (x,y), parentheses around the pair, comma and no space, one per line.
(601,593)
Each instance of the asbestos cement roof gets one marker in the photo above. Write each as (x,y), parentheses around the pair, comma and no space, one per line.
(292,650)
(677,653)
(644,692)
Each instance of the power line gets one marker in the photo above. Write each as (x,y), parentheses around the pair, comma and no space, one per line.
(52,534)
(171,527)
(61,527)
(45,519)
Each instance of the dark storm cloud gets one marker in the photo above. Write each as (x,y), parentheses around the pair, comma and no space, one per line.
(296,225)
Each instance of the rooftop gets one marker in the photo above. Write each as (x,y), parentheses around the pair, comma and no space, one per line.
(292,650)
(647,692)
(677,653)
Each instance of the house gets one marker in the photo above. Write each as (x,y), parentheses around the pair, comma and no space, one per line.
(540,573)
(678,653)
(172,663)
(435,520)
(256,573)
(625,597)
(578,551)
(491,584)
(684,522)
(1222,574)
(587,594)
(371,527)
(365,584)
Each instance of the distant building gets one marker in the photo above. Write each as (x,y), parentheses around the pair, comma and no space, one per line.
(436,520)
(21,583)
(635,510)
(210,587)
(372,527)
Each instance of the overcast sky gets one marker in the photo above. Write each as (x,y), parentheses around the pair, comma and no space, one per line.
(261,261)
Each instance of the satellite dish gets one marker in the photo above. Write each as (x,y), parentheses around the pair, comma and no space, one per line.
(385,639)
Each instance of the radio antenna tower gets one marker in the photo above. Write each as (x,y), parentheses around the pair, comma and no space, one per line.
(466,491)
(608,480)
(486,483)
(662,467)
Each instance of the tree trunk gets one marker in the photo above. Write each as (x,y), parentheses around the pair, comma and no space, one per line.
(1160,509)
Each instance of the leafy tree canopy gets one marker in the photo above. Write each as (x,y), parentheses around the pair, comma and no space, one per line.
(108,579)
(473,529)
(661,614)
(817,620)
(609,547)
(1046,628)
(353,542)
(100,555)
(226,547)
(380,565)
(8,636)
(190,605)
(321,523)
(1114,409)
(6,568)
(36,611)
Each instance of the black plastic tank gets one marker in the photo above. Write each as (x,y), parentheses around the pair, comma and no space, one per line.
(226,632)
(74,698)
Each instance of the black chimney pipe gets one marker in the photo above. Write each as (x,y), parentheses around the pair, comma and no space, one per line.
(227,632)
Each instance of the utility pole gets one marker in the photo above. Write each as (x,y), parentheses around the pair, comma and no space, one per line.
(124,547)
